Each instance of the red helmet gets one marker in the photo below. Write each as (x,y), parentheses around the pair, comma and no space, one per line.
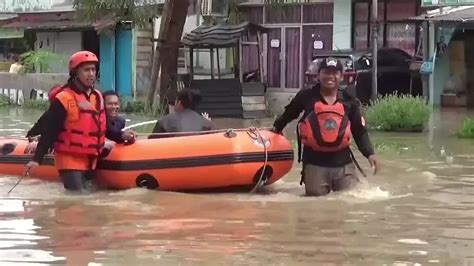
(54,91)
(81,57)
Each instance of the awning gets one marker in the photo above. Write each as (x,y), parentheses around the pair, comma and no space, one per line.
(38,25)
(64,20)
(448,14)
(219,36)
(11,33)
(7,16)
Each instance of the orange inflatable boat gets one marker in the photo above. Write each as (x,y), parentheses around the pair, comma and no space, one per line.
(233,158)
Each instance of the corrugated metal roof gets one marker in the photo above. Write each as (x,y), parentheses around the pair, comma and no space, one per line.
(5,16)
(63,20)
(449,14)
(221,35)
(58,24)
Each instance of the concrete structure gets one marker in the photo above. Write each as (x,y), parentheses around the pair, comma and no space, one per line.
(305,28)
(28,86)
(450,42)
(56,29)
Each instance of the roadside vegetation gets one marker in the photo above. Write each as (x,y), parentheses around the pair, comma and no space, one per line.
(467,129)
(399,113)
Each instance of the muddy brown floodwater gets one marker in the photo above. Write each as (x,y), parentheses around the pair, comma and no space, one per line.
(418,211)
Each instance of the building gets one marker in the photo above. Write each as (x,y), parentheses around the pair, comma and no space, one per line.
(340,24)
(449,37)
(53,26)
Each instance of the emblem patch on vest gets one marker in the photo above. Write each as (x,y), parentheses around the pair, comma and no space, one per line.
(330,124)
(71,103)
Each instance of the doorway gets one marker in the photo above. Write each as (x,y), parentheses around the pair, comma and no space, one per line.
(283,50)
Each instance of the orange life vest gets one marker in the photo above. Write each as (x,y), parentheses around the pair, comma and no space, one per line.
(54,91)
(85,125)
(327,128)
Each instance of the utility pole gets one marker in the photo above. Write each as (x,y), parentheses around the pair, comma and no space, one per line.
(375,43)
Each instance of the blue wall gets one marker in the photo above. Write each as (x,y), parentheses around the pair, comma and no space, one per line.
(123,61)
(107,61)
(116,61)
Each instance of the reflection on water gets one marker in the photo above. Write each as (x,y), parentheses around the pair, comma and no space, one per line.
(417,211)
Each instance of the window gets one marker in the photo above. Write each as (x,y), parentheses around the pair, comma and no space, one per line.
(393,30)
(361,26)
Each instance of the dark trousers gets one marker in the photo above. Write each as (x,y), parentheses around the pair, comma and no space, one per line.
(319,181)
(77,180)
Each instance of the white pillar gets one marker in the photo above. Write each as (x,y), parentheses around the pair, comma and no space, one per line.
(342,24)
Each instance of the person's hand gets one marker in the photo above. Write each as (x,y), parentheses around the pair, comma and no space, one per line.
(30,166)
(31,147)
(374,163)
(206,115)
(129,135)
(273,129)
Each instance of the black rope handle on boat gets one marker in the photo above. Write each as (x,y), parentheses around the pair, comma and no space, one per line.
(189,133)
(263,178)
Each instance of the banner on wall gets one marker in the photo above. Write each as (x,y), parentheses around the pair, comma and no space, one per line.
(447,2)
(443,37)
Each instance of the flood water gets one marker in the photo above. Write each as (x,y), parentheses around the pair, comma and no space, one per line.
(419,210)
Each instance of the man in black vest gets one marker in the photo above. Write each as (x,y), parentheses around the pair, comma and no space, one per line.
(329,120)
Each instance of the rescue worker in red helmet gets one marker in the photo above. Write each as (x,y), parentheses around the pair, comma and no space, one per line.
(330,117)
(76,125)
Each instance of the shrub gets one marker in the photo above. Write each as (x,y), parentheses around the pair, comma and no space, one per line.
(4,100)
(40,61)
(140,107)
(467,129)
(36,104)
(398,113)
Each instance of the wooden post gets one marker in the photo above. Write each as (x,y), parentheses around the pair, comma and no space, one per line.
(191,66)
(212,63)
(375,43)
(218,64)
(240,61)
(260,69)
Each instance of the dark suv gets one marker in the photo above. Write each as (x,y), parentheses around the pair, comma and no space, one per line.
(394,72)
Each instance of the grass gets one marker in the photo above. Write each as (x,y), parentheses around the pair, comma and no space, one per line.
(399,113)
(467,129)
(37,104)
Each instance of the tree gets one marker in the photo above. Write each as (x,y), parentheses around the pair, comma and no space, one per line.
(166,53)
(138,11)
(141,12)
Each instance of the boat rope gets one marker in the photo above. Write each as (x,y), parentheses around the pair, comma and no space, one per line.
(17,183)
(190,133)
(140,124)
(356,163)
(262,180)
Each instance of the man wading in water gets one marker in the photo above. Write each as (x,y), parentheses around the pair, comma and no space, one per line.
(325,132)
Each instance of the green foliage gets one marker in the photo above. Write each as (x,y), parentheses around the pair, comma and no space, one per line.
(37,104)
(41,61)
(404,113)
(140,107)
(139,12)
(467,129)
(235,16)
(4,100)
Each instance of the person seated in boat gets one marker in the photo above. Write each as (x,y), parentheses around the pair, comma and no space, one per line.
(37,128)
(185,118)
(35,132)
(115,123)
(330,117)
(75,125)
